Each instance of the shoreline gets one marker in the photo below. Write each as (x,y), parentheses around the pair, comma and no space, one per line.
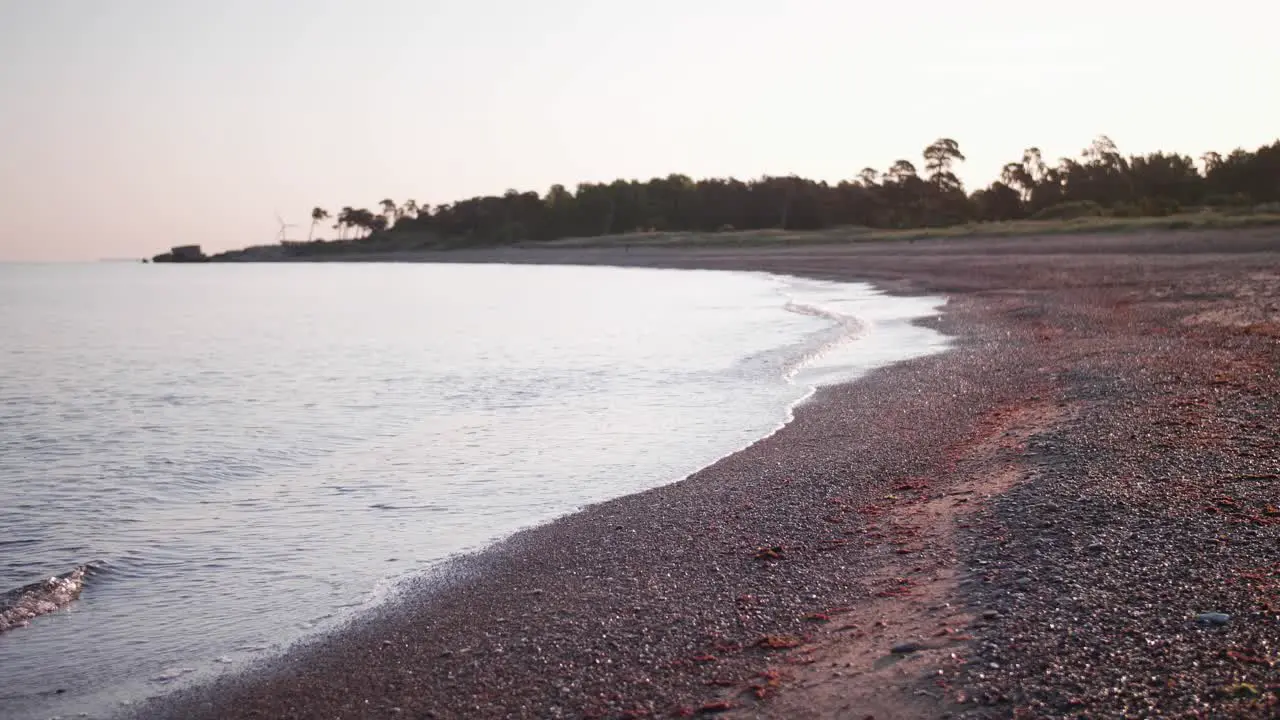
(732,590)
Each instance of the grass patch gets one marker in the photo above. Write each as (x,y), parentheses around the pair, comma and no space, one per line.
(395,243)
(1014,228)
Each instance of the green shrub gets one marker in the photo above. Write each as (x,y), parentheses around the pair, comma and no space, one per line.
(1125,210)
(1159,206)
(1232,200)
(1070,211)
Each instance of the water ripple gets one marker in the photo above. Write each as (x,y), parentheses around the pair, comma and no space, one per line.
(249,453)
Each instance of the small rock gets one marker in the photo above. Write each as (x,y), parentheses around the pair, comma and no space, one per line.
(905,648)
(1213,618)
(990,614)
(1095,548)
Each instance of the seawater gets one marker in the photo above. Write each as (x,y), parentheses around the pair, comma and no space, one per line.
(251,453)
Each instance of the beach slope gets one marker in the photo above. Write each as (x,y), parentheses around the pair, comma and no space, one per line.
(1073,513)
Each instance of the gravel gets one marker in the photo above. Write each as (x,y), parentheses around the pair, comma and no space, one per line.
(1152,505)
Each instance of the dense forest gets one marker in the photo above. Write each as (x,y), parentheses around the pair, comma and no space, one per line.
(1100,182)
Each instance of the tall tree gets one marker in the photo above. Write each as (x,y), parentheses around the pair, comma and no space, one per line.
(900,197)
(1034,165)
(318,214)
(346,220)
(901,173)
(1211,161)
(946,202)
(1014,175)
(997,202)
(939,157)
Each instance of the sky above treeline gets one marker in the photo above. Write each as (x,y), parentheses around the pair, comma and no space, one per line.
(132,125)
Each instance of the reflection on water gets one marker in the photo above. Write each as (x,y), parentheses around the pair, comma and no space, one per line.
(251,452)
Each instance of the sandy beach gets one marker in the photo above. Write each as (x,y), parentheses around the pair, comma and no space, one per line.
(1073,513)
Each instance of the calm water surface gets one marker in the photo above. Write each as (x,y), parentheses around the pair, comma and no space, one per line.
(253,452)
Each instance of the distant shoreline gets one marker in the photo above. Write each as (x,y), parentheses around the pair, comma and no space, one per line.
(1099,190)
(395,246)
(1066,448)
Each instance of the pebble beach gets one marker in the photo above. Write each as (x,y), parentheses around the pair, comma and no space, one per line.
(1074,512)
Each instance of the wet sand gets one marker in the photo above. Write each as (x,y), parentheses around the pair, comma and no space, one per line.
(1036,521)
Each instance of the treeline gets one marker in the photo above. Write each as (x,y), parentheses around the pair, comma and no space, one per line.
(1101,181)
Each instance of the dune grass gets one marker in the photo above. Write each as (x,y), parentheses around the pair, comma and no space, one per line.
(396,243)
(1184,221)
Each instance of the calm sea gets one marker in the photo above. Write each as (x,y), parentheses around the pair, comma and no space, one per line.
(251,453)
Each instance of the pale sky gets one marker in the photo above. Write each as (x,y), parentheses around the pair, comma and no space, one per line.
(127,126)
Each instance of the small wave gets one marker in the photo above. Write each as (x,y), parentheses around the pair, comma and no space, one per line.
(389,506)
(816,311)
(788,360)
(172,674)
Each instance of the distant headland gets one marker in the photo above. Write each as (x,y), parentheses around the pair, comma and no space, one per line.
(182,253)
(1101,190)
